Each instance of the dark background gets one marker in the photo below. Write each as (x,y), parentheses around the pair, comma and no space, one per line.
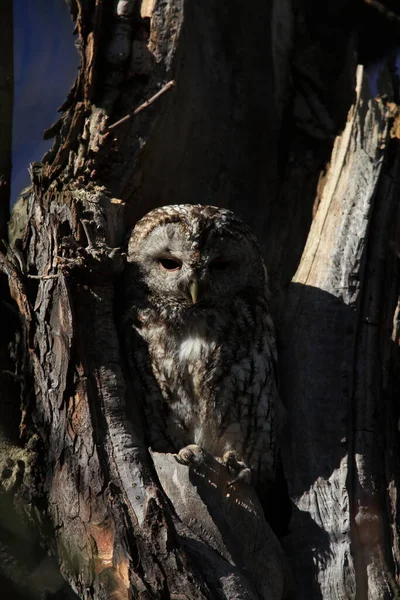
(45,65)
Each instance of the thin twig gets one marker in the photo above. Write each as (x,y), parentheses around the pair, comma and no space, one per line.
(13,375)
(386,12)
(85,225)
(44,277)
(10,307)
(145,104)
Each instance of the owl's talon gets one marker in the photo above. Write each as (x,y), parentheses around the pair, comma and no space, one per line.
(190,455)
(243,476)
(230,460)
(236,467)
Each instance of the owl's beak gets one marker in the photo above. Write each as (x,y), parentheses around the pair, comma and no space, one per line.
(194,290)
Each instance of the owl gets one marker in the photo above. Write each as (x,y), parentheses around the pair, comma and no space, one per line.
(201,341)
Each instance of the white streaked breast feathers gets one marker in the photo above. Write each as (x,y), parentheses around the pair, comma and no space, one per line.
(193,348)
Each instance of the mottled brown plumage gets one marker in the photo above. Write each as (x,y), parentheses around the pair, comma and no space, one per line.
(201,340)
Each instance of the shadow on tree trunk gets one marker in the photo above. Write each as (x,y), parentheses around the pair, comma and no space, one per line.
(257,111)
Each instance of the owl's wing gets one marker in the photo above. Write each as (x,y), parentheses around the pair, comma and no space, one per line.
(147,396)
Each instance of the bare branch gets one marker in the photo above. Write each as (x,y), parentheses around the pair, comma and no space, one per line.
(145,104)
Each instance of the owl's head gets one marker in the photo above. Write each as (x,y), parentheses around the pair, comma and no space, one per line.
(196,256)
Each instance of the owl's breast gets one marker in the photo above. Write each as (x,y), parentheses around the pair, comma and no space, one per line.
(193,348)
(195,354)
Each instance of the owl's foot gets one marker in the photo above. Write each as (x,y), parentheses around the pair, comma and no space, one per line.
(190,455)
(237,468)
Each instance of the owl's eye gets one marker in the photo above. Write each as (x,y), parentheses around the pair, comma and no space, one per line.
(219,264)
(170,264)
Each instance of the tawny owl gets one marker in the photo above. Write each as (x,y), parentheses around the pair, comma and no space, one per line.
(201,337)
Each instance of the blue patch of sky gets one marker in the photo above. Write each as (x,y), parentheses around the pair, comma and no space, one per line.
(45,66)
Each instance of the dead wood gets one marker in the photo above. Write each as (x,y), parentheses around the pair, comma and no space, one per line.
(271,117)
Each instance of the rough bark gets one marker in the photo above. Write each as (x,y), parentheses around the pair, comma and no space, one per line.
(270,116)
(331,359)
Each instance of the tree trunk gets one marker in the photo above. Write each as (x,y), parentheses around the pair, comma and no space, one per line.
(270,116)
(336,357)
